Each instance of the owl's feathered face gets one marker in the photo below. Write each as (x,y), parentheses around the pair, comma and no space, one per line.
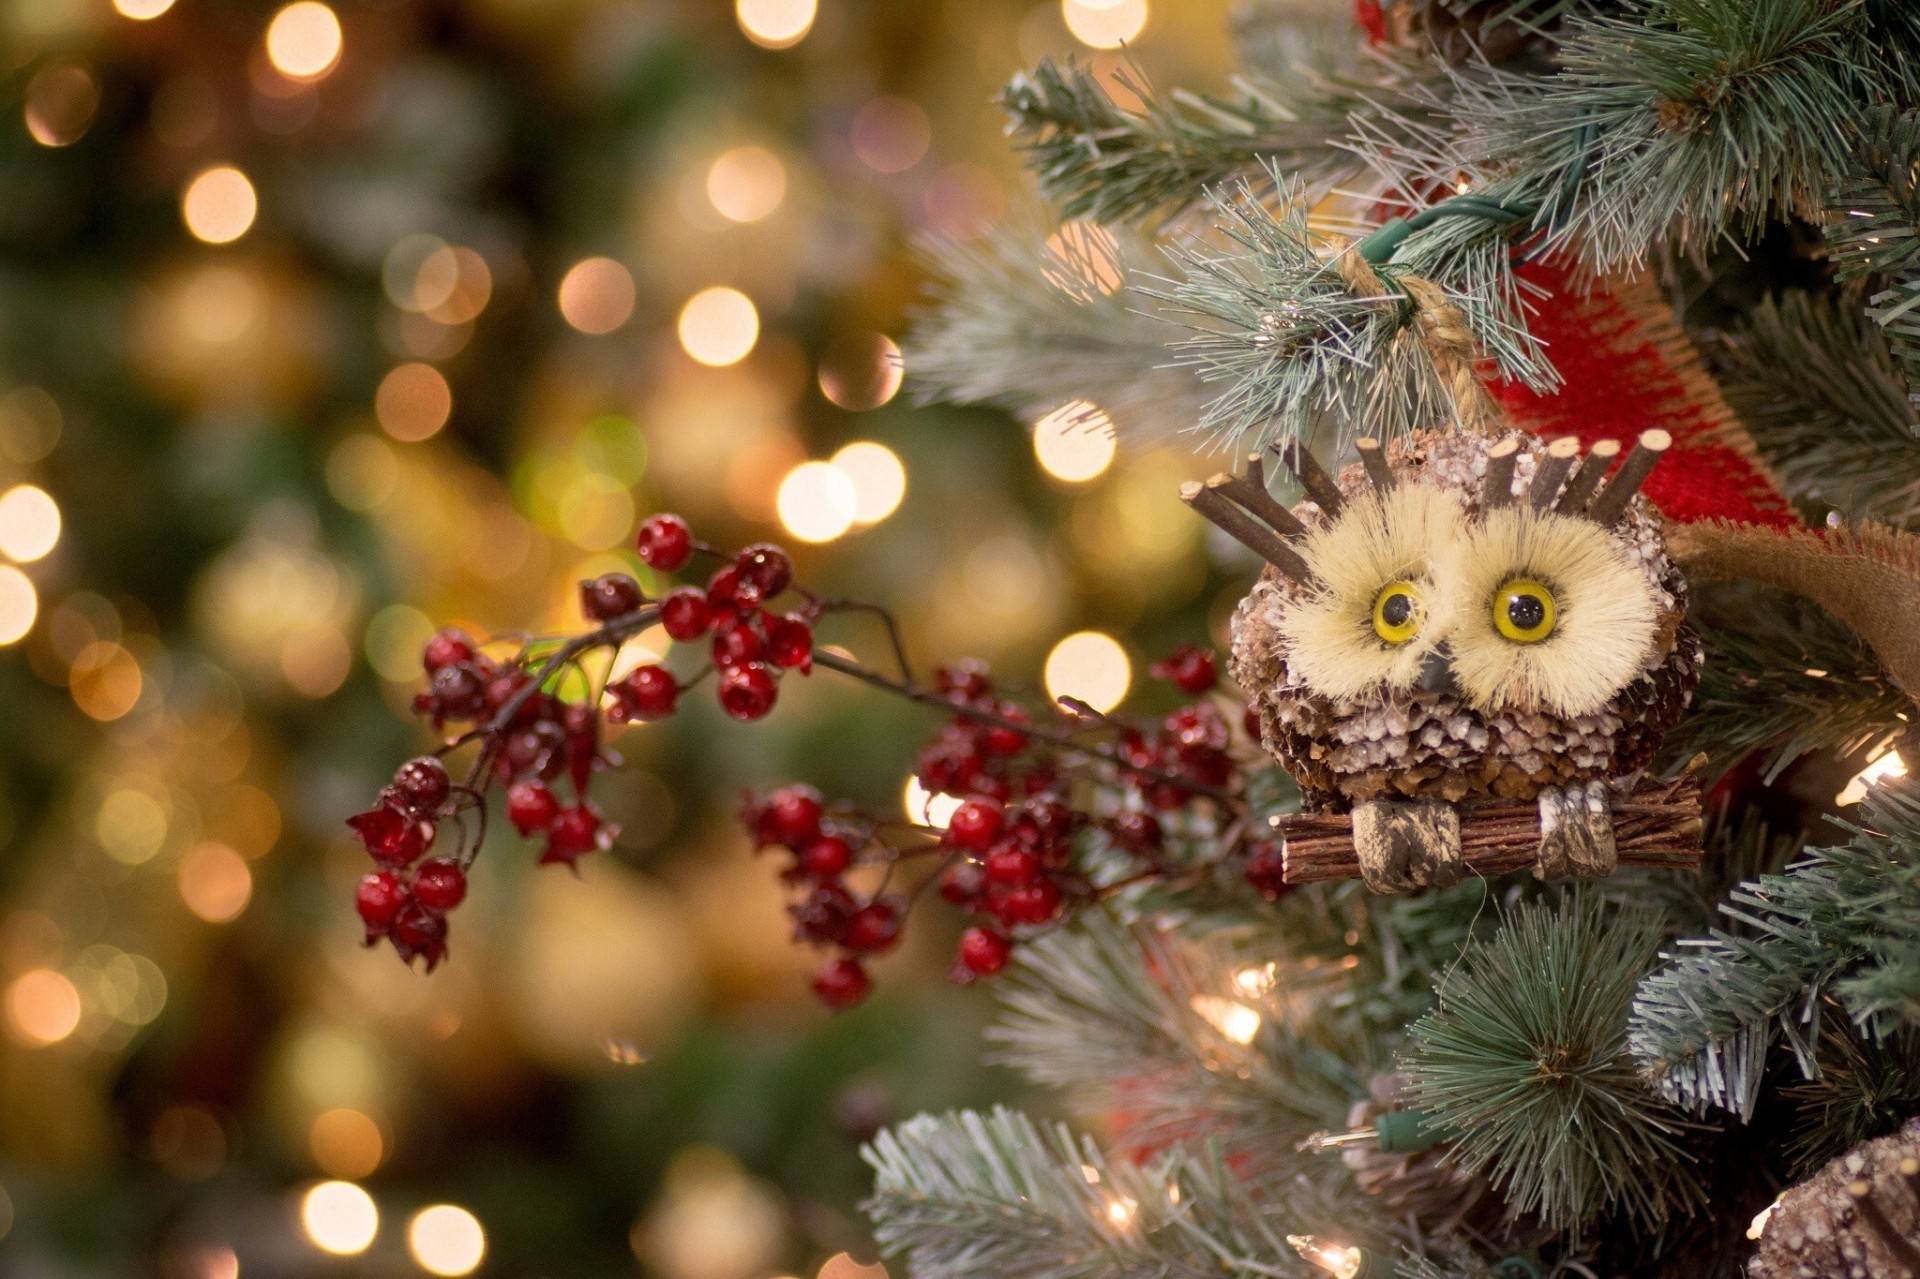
(1529,610)
(1443,634)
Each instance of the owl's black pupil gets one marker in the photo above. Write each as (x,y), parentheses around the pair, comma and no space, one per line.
(1525,611)
(1396,609)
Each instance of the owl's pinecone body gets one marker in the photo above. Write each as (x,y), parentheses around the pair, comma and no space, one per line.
(1393,740)
(1826,1227)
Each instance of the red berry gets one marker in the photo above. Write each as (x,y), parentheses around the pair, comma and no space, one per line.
(647,692)
(875,927)
(1250,720)
(684,614)
(984,950)
(962,882)
(576,832)
(747,692)
(975,824)
(583,742)
(1266,870)
(1136,832)
(457,692)
(608,596)
(1011,865)
(826,857)
(393,836)
(822,915)
(417,931)
(765,569)
(501,688)
(440,884)
(423,784)
(537,751)
(1190,669)
(792,816)
(727,596)
(1035,902)
(666,543)
(842,984)
(998,739)
(531,807)
(379,899)
(962,682)
(447,648)
(736,642)
(790,642)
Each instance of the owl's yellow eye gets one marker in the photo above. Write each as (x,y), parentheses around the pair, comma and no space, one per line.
(1396,612)
(1523,611)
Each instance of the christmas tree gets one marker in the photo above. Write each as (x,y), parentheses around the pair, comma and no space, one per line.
(1543,899)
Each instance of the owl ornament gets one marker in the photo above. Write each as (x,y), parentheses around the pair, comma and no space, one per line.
(1466,648)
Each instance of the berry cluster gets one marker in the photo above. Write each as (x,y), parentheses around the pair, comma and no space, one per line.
(750,646)
(1042,818)
(406,903)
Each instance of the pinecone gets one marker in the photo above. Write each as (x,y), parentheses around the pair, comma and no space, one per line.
(1857,1218)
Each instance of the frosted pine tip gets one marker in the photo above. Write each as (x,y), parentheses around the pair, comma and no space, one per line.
(1592,470)
(1374,458)
(1646,454)
(1552,471)
(1496,490)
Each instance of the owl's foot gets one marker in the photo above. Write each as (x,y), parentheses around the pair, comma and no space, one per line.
(1407,845)
(1576,833)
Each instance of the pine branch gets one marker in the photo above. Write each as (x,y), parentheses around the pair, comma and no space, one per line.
(1018,324)
(1526,1059)
(1689,119)
(1864,1089)
(1844,922)
(1823,400)
(1291,342)
(1161,1036)
(967,1194)
(1783,678)
(1873,230)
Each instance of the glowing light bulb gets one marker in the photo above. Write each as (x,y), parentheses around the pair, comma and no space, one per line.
(776,24)
(1104,24)
(304,40)
(29,523)
(879,480)
(1090,667)
(817,502)
(1339,1260)
(339,1217)
(1236,1021)
(219,205)
(719,326)
(446,1240)
(1887,765)
(1074,443)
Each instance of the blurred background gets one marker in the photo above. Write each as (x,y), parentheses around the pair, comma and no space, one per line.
(321,324)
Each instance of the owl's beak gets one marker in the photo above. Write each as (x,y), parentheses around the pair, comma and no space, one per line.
(1436,672)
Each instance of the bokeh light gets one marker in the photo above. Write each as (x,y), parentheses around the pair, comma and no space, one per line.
(1075,442)
(927,808)
(596,295)
(346,1143)
(861,371)
(131,825)
(43,1007)
(304,40)
(1088,257)
(105,681)
(215,883)
(817,502)
(219,205)
(30,424)
(719,326)
(413,402)
(339,1217)
(29,523)
(1104,24)
(776,24)
(890,135)
(1090,666)
(61,101)
(142,10)
(446,1240)
(879,479)
(746,183)
(19,604)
